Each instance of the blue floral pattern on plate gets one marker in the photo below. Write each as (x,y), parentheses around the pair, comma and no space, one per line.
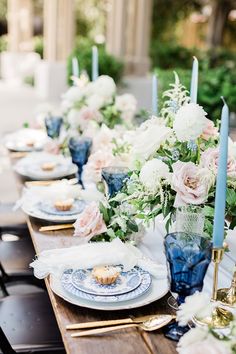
(146,280)
(127,281)
(48,208)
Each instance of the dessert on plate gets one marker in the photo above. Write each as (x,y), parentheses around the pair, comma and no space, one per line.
(48,166)
(64,205)
(105,275)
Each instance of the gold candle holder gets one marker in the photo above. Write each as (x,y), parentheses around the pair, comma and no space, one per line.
(220,317)
(227,296)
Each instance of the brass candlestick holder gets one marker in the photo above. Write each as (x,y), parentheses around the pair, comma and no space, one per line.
(227,296)
(220,317)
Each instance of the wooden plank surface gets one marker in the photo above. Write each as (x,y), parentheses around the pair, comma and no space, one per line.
(128,341)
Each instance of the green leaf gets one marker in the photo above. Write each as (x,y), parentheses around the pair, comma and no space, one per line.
(231,197)
(104,212)
(132,226)
(208,211)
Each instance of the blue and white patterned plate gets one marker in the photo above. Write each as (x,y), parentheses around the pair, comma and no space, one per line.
(127,281)
(48,208)
(67,284)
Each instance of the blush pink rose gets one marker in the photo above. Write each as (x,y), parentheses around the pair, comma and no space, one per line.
(191,183)
(86,114)
(97,161)
(210,160)
(210,131)
(90,223)
(52,147)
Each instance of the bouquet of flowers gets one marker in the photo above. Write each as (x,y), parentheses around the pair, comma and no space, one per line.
(175,162)
(98,102)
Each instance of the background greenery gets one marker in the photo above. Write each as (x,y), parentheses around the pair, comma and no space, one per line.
(108,64)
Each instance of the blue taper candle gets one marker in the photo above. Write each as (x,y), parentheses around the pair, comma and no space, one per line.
(221,182)
(154,95)
(94,63)
(75,67)
(194,81)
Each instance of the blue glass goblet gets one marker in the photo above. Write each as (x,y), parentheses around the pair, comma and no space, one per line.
(80,149)
(53,126)
(188,256)
(114,178)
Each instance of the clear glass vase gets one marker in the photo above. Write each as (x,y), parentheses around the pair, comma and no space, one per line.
(190,219)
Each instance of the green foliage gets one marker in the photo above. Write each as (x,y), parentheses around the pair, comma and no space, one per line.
(108,64)
(38,45)
(3,43)
(213,83)
(170,55)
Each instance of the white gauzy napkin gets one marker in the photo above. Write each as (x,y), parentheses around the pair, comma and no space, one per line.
(93,254)
(60,190)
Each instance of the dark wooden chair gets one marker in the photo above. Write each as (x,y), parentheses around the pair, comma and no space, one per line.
(28,325)
(16,253)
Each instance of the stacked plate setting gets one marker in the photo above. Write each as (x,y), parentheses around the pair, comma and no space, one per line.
(128,286)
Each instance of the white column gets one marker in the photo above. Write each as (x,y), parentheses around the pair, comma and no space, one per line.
(20,25)
(58,29)
(128,33)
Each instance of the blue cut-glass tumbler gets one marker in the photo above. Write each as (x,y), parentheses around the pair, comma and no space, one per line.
(80,149)
(53,126)
(114,178)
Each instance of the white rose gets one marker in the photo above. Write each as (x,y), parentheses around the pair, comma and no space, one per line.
(127,105)
(151,174)
(198,305)
(190,122)
(74,94)
(96,101)
(97,161)
(73,118)
(148,138)
(104,86)
(209,345)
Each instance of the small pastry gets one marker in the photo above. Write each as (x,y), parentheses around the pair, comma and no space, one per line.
(48,166)
(30,143)
(105,275)
(64,205)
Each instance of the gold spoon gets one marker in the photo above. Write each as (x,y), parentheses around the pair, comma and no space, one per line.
(152,324)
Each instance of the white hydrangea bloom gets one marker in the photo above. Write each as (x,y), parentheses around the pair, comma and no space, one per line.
(190,121)
(151,174)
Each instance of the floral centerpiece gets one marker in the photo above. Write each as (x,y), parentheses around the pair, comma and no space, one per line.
(98,102)
(173,162)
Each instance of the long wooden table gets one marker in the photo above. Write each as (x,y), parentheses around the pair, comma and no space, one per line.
(127,341)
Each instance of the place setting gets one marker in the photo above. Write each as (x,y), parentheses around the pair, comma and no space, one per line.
(26,140)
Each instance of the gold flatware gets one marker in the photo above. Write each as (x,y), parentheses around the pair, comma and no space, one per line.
(18,154)
(154,323)
(94,324)
(71,181)
(56,227)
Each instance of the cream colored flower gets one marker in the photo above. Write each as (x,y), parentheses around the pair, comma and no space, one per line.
(190,122)
(151,174)
(198,305)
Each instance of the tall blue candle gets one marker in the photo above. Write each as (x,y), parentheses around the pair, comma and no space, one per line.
(154,95)
(75,67)
(194,81)
(221,182)
(94,63)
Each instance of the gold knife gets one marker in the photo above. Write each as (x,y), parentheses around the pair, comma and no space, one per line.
(49,182)
(109,322)
(56,227)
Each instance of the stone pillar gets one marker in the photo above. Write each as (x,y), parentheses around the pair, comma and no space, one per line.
(128,33)
(59,24)
(58,29)
(20,25)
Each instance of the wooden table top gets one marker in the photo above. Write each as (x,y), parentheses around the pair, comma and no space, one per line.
(126,341)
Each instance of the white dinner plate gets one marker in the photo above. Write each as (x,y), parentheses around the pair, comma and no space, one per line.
(158,289)
(21,140)
(32,209)
(30,166)
(68,285)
